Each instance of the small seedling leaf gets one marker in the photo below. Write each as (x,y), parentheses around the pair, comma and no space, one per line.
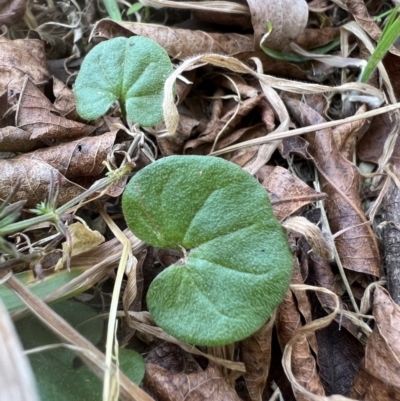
(236,262)
(131,70)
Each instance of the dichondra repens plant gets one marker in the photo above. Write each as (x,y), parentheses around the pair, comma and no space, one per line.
(236,262)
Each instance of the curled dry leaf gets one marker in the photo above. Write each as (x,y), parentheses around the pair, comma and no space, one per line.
(256,354)
(312,234)
(178,43)
(19,58)
(288,19)
(225,117)
(340,179)
(81,158)
(287,192)
(303,364)
(379,377)
(35,178)
(82,239)
(37,115)
(207,385)
(347,135)
(370,147)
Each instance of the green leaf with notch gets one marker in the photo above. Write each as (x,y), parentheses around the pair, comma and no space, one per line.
(131,70)
(236,262)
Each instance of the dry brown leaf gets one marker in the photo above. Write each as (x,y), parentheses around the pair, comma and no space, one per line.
(287,192)
(21,57)
(12,11)
(288,19)
(38,116)
(256,354)
(370,147)
(311,38)
(242,156)
(173,145)
(172,358)
(390,234)
(64,98)
(83,239)
(81,158)
(35,178)
(13,139)
(241,21)
(226,115)
(360,13)
(379,377)
(392,65)
(198,386)
(348,135)
(178,43)
(321,275)
(17,381)
(340,179)
(303,364)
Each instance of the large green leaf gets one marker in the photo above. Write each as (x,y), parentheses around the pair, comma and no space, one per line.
(59,374)
(131,70)
(236,262)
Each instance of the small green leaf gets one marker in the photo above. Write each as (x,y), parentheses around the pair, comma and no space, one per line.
(134,8)
(59,372)
(236,262)
(131,70)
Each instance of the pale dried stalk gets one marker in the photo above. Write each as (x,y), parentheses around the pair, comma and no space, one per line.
(144,325)
(127,263)
(95,359)
(17,382)
(266,150)
(312,234)
(219,6)
(305,130)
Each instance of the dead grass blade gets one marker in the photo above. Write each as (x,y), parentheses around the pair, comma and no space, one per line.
(17,382)
(220,6)
(305,130)
(142,322)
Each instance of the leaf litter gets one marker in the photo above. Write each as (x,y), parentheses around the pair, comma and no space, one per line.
(304,129)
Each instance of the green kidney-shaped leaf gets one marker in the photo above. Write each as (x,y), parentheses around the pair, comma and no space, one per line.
(131,70)
(236,263)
